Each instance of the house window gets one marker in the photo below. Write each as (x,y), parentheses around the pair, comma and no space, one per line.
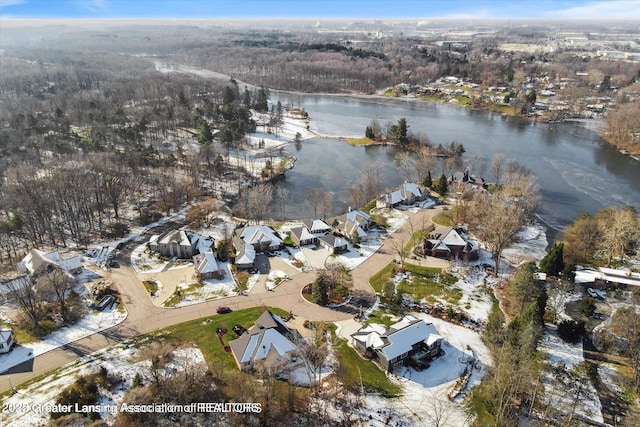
(1,345)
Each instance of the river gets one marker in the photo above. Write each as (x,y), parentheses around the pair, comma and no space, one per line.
(576,170)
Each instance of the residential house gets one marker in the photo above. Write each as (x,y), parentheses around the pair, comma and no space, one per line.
(173,244)
(207,266)
(7,341)
(449,243)
(407,194)
(466,178)
(261,237)
(334,244)
(355,224)
(15,284)
(301,236)
(310,232)
(410,342)
(245,254)
(269,344)
(317,226)
(37,261)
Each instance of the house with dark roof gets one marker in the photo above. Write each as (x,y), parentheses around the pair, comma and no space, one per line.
(301,236)
(410,342)
(465,178)
(334,244)
(406,194)
(449,243)
(269,344)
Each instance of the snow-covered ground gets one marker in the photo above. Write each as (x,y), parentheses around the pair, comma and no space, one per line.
(531,245)
(122,364)
(424,400)
(94,322)
(565,356)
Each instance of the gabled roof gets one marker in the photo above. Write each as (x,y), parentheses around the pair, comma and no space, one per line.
(36,261)
(403,335)
(357,216)
(453,238)
(5,335)
(316,226)
(411,188)
(175,236)
(207,263)
(334,241)
(260,234)
(245,253)
(302,233)
(268,335)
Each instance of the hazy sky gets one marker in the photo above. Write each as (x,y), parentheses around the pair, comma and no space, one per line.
(379,9)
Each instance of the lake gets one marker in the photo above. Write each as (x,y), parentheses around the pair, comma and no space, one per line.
(576,170)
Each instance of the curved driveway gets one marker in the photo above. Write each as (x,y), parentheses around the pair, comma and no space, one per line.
(144,316)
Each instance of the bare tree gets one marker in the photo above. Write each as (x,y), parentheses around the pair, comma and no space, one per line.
(626,324)
(496,220)
(406,164)
(29,300)
(58,285)
(319,201)
(498,165)
(258,198)
(282,196)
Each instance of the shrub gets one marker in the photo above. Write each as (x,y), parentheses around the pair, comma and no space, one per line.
(587,306)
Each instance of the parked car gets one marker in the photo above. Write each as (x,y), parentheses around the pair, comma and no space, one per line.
(223,310)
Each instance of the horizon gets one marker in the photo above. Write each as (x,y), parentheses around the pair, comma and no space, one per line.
(379,10)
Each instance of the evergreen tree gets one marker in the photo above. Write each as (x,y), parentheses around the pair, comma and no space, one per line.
(442,187)
(428,182)
(553,263)
(368,132)
(402,131)
(205,136)
(319,291)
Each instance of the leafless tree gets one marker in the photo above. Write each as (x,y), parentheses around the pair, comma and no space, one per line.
(282,196)
(58,284)
(498,165)
(319,201)
(29,300)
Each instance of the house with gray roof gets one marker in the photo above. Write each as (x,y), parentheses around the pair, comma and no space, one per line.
(334,244)
(269,344)
(261,237)
(449,243)
(410,342)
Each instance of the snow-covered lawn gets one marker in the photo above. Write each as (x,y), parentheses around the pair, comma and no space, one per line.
(531,245)
(424,400)
(565,356)
(122,364)
(94,322)
(476,287)
(274,278)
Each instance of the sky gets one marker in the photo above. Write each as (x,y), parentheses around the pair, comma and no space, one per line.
(362,9)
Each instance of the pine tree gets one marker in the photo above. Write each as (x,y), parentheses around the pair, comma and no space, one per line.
(553,263)
(428,182)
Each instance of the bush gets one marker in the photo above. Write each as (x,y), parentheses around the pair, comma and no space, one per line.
(587,306)
(571,331)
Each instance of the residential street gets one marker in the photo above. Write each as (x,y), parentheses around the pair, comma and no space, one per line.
(144,316)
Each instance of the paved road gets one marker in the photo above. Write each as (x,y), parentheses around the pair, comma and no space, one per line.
(144,316)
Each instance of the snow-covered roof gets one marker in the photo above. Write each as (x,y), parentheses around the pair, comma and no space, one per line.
(36,258)
(625,277)
(176,236)
(317,226)
(405,334)
(302,233)
(208,263)
(247,255)
(5,335)
(357,216)
(395,197)
(410,187)
(452,238)
(260,234)
(267,335)
(15,284)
